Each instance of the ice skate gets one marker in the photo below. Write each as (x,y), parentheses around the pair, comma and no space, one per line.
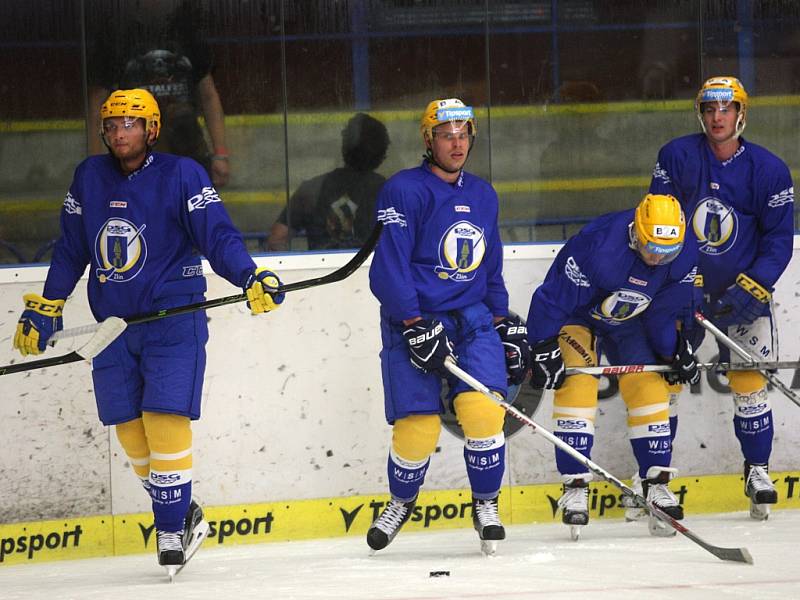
(633,512)
(175,549)
(486,521)
(658,493)
(574,504)
(170,551)
(388,524)
(760,489)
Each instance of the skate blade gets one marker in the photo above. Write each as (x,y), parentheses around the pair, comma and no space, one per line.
(660,529)
(489,547)
(575,532)
(172,570)
(199,534)
(759,512)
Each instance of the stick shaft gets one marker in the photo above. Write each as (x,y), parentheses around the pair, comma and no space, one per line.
(623,369)
(731,554)
(743,353)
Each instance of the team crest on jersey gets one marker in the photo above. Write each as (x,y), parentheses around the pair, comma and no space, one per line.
(621,306)
(461,250)
(120,249)
(715,226)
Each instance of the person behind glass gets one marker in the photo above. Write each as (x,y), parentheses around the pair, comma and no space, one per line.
(140,220)
(740,199)
(616,288)
(159,46)
(337,209)
(437,273)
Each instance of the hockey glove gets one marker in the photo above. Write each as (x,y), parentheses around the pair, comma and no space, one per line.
(40,319)
(428,346)
(261,288)
(684,363)
(514,333)
(743,302)
(547,365)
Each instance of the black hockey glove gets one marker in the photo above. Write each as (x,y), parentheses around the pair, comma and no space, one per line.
(685,365)
(514,333)
(547,365)
(428,346)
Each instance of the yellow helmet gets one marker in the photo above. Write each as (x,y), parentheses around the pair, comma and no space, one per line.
(446,111)
(723,90)
(659,227)
(137,103)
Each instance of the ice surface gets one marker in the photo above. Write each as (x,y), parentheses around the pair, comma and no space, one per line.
(613,559)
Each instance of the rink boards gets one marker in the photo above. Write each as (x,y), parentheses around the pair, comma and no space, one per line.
(293,409)
(333,517)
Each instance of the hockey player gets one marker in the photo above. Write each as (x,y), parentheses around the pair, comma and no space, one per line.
(616,288)
(437,273)
(739,197)
(139,219)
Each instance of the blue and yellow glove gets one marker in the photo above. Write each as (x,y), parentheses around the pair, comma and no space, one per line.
(40,319)
(743,302)
(261,289)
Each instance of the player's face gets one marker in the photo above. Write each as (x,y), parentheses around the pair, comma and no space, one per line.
(126,137)
(450,144)
(720,120)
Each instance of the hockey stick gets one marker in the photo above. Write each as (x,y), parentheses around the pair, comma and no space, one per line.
(731,554)
(623,369)
(105,333)
(752,363)
(338,275)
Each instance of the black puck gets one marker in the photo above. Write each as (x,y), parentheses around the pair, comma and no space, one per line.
(439,574)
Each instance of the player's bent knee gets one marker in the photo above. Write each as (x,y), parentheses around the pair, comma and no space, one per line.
(646,396)
(415,437)
(132,438)
(478,416)
(578,391)
(746,382)
(170,439)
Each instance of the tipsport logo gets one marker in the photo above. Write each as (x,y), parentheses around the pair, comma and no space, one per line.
(425,514)
(226,528)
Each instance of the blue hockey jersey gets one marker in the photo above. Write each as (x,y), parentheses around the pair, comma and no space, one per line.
(440,248)
(740,210)
(141,235)
(599,281)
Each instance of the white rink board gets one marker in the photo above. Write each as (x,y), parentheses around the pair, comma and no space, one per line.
(293,405)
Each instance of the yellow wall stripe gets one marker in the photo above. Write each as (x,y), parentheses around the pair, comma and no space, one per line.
(87,537)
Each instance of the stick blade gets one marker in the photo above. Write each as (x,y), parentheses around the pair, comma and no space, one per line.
(109,330)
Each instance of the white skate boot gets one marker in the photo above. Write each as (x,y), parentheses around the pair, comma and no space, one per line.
(760,489)
(657,491)
(574,503)
(633,512)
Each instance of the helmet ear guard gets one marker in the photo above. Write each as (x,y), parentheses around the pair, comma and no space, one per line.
(137,103)
(659,227)
(723,90)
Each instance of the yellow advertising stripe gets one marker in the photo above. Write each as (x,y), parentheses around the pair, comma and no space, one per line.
(44,541)
(335,517)
(500,112)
